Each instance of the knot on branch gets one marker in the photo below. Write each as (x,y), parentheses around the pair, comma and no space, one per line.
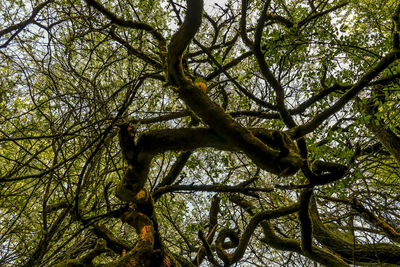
(148,251)
(326,172)
(288,161)
(144,203)
(127,133)
(136,172)
(141,213)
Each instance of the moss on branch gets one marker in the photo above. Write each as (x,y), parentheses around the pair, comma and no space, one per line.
(283,161)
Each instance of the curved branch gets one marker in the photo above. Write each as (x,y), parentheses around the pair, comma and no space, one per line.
(266,72)
(322,256)
(243,28)
(235,135)
(213,223)
(228,66)
(354,253)
(349,95)
(279,19)
(213,114)
(128,23)
(181,40)
(206,249)
(282,243)
(323,172)
(251,226)
(312,17)
(369,216)
(139,154)
(185,139)
(134,51)
(176,169)
(385,136)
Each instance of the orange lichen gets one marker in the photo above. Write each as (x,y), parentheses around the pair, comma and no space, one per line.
(132,263)
(131,129)
(201,85)
(167,261)
(142,195)
(146,234)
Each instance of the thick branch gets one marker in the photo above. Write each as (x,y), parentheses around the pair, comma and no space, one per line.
(322,256)
(369,216)
(282,243)
(211,113)
(128,23)
(386,136)
(355,89)
(139,155)
(266,72)
(305,222)
(113,243)
(251,226)
(357,253)
(181,40)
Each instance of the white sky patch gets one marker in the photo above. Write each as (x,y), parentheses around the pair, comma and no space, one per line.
(209,5)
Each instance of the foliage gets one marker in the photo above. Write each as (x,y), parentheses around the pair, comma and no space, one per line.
(162,133)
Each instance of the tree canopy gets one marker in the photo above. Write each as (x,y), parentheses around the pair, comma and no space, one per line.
(174,133)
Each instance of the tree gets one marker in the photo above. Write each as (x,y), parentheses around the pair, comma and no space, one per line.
(163,133)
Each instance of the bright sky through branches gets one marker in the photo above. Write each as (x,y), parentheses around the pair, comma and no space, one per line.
(209,4)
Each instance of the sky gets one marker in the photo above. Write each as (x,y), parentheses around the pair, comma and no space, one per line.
(208,4)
